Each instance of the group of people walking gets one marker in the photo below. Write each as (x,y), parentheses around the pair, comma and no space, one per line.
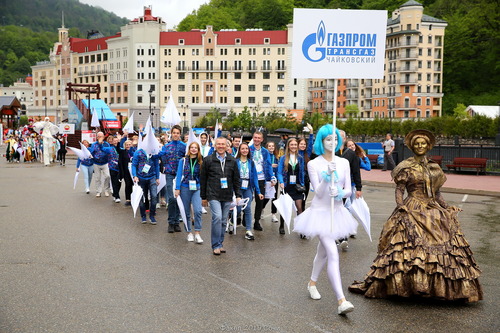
(231,174)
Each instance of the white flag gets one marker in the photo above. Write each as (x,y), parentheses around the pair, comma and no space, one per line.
(170,116)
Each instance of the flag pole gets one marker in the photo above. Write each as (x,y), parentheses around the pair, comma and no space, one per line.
(334,123)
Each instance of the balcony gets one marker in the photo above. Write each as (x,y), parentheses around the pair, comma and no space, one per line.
(408,69)
(368,83)
(410,55)
(266,68)
(407,82)
(437,69)
(181,68)
(280,68)
(352,96)
(237,68)
(406,107)
(251,68)
(43,78)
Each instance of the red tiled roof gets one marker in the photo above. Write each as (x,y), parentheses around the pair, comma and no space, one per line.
(225,37)
(78,44)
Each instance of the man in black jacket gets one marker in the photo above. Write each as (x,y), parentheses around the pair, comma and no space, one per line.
(219,181)
(353,159)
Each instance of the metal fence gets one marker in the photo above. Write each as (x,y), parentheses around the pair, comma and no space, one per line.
(492,153)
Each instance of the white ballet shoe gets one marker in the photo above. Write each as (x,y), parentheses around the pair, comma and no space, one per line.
(313,292)
(345,307)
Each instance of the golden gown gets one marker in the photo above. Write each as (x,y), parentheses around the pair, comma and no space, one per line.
(422,251)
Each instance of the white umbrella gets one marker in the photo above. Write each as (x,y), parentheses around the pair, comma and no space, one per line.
(163,182)
(285,206)
(361,212)
(129,126)
(182,211)
(150,144)
(95,119)
(78,152)
(76,179)
(170,116)
(136,197)
(86,152)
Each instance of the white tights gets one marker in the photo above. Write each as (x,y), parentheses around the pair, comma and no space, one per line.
(327,251)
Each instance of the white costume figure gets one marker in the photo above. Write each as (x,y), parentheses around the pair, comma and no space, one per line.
(316,220)
(49,129)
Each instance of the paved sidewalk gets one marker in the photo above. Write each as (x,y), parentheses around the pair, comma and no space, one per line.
(456,183)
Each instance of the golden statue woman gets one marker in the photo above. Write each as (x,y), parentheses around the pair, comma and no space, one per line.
(422,251)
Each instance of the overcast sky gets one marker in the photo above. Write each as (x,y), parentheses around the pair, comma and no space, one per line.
(171,11)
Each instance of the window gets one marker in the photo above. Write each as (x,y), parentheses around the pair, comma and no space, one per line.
(281,100)
(266,41)
(266,100)
(420,64)
(281,76)
(429,52)
(181,100)
(266,87)
(181,76)
(420,39)
(251,100)
(167,52)
(181,41)
(429,40)
(419,101)
(237,100)
(266,76)
(181,87)
(427,101)
(139,99)
(251,87)
(281,87)
(237,76)
(139,87)
(407,89)
(420,52)
(251,76)
(237,87)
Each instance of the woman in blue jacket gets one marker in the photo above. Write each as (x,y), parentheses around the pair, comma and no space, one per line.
(249,184)
(291,172)
(364,161)
(187,185)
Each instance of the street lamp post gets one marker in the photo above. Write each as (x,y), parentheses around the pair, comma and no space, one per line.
(45,103)
(150,97)
(390,118)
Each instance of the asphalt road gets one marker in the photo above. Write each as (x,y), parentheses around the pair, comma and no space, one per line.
(71,262)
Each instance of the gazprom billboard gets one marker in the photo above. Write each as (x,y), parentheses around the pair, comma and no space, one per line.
(335,43)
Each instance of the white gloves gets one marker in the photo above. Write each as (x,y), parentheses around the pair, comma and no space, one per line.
(309,126)
(332,166)
(334,191)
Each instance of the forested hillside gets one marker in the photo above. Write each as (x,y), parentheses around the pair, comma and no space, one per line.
(29,29)
(471,44)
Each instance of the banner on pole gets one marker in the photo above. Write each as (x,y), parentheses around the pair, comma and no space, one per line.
(335,43)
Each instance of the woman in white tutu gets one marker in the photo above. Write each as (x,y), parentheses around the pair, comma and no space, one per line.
(330,177)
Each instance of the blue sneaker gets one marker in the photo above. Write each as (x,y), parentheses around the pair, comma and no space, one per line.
(152,220)
(144,221)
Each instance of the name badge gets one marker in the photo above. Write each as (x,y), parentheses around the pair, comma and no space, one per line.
(293,179)
(146,168)
(192,185)
(258,167)
(244,184)
(223,183)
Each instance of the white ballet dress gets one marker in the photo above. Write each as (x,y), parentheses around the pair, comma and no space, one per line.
(316,220)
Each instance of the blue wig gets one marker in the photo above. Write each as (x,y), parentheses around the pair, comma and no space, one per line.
(323,132)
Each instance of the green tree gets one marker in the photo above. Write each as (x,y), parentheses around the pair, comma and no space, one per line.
(352,110)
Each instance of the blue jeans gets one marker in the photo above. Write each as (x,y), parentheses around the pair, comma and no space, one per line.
(248,193)
(87,173)
(148,185)
(173,209)
(219,209)
(192,197)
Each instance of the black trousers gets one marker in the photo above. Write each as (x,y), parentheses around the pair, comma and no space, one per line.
(129,183)
(115,183)
(259,204)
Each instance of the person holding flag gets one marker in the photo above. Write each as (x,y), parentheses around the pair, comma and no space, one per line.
(331,178)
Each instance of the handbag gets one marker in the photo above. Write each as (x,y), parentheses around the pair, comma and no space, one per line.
(300,188)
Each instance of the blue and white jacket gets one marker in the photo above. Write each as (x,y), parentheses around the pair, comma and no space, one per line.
(184,173)
(266,156)
(283,173)
(253,182)
(139,160)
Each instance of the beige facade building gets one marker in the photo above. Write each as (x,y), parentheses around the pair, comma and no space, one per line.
(138,69)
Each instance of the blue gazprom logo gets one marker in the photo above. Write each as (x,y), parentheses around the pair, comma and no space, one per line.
(332,44)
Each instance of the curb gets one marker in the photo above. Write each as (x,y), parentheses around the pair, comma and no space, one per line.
(443,189)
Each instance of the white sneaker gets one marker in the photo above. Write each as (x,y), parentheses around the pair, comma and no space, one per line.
(106,193)
(275,219)
(313,292)
(197,239)
(117,200)
(87,191)
(190,237)
(203,210)
(98,195)
(345,307)
(344,245)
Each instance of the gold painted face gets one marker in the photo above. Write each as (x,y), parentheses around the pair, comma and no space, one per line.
(420,147)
